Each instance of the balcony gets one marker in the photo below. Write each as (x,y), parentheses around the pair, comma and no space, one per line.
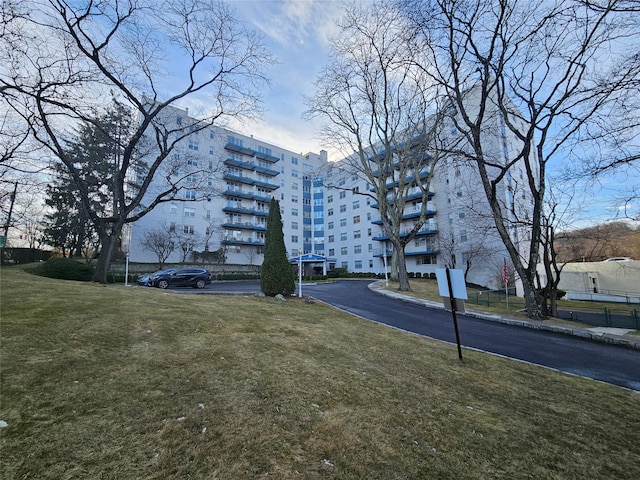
(243,241)
(409,216)
(238,178)
(379,253)
(243,194)
(245,226)
(234,162)
(232,147)
(405,232)
(246,211)
(412,196)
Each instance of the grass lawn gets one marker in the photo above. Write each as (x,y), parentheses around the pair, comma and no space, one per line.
(113,382)
(428,289)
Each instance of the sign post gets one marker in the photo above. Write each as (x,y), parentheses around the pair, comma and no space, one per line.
(452,287)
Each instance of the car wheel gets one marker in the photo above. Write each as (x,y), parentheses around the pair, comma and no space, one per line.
(200,283)
(163,284)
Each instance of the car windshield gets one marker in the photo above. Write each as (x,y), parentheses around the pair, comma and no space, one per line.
(163,272)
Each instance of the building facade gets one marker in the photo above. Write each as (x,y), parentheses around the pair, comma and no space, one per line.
(326,209)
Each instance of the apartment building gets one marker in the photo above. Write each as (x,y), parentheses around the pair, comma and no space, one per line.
(328,210)
(228,181)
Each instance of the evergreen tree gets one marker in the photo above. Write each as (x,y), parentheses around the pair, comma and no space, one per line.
(276,275)
(76,225)
(67,226)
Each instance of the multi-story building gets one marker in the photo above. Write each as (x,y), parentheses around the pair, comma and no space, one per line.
(228,181)
(326,210)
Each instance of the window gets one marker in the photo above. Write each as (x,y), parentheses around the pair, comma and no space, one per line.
(211,134)
(332,252)
(370,248)
(173,208)
(294,198)
(294,185)
(345,265)
(179,120)
(330,212)
(207,214)
(330,199)
(294,212)
(370,263)
(294,160)
(368,232)
(368,216)
(356,234)
(318,214)
(172,227)
(193,145)
(294,225)
(188,229)
(344,251)
(294,238)
(294,173)
(356,219)
(358,264)
(190,194)
(192,179)
(356,204)
(330,226)
(331,237)
(357,249)
(343,208)
(189,212)
(461,214)
(343,194)
(463,235)
(192,161)
(343,222)
(426,260)
(343,236)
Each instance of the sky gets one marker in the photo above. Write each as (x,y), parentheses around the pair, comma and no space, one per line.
(297,33)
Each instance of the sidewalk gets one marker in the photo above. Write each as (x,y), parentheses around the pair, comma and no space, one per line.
(616,336)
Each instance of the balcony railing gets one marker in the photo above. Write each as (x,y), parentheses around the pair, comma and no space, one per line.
(245,226)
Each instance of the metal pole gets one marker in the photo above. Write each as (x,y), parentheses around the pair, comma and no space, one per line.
(384,261)
(300,276)
(453,313)
(126,270)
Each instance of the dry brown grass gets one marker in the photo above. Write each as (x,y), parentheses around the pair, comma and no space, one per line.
(136,383)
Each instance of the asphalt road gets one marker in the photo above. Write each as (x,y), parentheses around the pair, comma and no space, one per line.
(608,363)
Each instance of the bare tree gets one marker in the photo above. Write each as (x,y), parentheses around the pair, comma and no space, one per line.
(376,104)
(150,56)
(530,83)
(160,241)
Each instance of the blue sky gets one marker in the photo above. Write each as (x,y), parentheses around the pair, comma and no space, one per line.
(297,33)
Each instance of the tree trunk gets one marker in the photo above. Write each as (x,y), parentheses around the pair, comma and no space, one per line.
(393,267)
(534,301)
(108,245)
(403,276)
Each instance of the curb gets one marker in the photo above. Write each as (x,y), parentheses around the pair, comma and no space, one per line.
(610,338)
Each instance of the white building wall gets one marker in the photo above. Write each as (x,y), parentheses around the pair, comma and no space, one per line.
(335,222)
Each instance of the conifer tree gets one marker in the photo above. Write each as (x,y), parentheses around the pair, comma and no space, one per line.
(276,275)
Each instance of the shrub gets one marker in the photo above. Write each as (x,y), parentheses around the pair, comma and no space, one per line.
(338,273)
(64,269)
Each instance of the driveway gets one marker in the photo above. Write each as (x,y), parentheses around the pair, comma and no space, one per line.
(600,361)
(613,364)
